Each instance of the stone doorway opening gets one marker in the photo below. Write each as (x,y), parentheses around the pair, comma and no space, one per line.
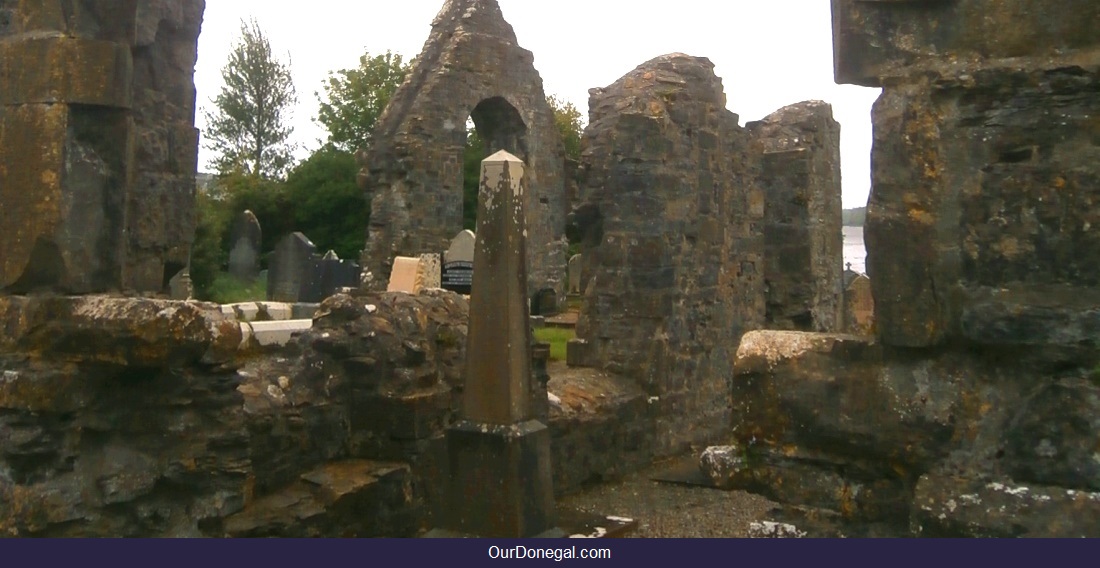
(494,125)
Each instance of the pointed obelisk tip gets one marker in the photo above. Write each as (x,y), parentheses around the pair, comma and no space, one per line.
(502,156)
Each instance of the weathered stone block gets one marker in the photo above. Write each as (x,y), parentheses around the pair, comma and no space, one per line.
(984,192)
(951,507)
(60,180)
(803,214)
(882,39)
(65,70)
(498,489)
(136,333)
(32,154)
(825,421)
(331,501)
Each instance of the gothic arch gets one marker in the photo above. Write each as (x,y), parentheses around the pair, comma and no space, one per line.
(471,67)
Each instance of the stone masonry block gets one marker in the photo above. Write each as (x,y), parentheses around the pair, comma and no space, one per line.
(32,152)
(880,39)
(65,70)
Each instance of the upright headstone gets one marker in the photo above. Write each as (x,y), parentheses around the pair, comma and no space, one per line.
(458,263)
(429,273)
(245,240)
(575,285)
(859,307)
(327,276)
(180,286)
(403,275)
(499,454)
(290,266)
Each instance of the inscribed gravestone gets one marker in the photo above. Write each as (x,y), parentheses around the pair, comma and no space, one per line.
(428,276)
(245,242)
(289,266)
(458,263)
(575,274)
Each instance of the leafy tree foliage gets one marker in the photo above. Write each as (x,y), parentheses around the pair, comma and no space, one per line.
(328,205)
(471,178)
(855,217)
(355,98)
(570,125)
(248,127)
(208,256)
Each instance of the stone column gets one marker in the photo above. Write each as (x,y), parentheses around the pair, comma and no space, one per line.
(499,456)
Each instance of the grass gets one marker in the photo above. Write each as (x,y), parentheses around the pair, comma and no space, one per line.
(227,289)
(558,338)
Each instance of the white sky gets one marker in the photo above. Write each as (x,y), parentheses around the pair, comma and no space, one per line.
(769,54)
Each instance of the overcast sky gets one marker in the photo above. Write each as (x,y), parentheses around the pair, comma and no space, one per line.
(769,54)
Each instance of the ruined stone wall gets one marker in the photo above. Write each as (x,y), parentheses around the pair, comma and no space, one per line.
(145,418)
(98,148)
(471,67)
(804,242)
(673,240)
(981,223)
(974,413)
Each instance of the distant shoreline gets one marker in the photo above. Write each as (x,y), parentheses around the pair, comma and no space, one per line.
(855,217)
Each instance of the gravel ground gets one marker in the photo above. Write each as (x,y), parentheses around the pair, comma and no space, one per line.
(666,510)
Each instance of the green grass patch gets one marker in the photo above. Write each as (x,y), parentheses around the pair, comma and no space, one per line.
(227,289)
(558,338)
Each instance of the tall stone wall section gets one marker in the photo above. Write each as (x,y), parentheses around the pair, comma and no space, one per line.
(974,413)
(673,241)
(98,148)
(471,67)
(981,223)
(804,241)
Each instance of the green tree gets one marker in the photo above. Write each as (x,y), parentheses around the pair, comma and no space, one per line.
(471,177)
(570,125)
(328,206)
(355,98)
(208,256)
(248,127)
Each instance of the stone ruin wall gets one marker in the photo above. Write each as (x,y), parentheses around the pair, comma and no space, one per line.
(975,411)
(803,237)
(142,418)
(672,219)
(471,67)
(98,148)
(984,168)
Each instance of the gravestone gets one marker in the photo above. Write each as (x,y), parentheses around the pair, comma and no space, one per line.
(180,286)
(290,266)
(859,306)
(429,273)
(245,240)
(327,276)
(403,275)
(575,285)
(458,263)
(499,453)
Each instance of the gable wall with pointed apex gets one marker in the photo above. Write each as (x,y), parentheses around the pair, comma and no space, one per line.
(413,172)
